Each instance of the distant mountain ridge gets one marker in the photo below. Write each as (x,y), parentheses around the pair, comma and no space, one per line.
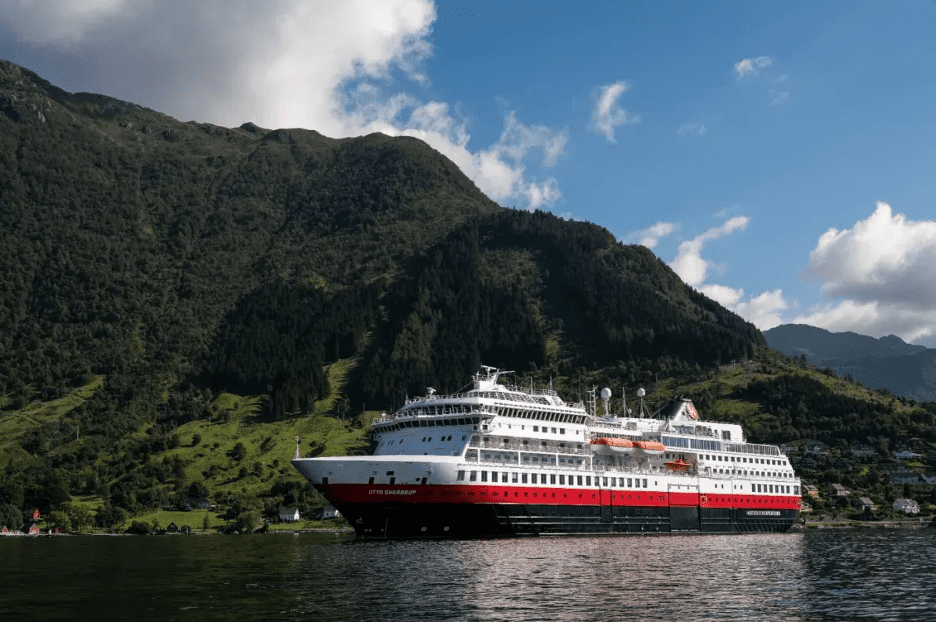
(888,362)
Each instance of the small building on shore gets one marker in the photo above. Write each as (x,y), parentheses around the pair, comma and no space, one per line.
(907,506)
(288,514)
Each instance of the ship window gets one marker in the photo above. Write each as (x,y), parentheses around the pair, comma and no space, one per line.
(561,430)
(552,478)
(483,476)
(461,476)
(536,428)
(553,430)
(621,482)
(588,480)
(796,490)
(645,483)
(604,481)
(473,476)
(629,483)
(370,480)
(523,478)
(562,480)
(392,480)
(579,478)
(504,477)
(513,478)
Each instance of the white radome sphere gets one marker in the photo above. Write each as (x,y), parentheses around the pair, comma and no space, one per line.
(641,392)
(606,393)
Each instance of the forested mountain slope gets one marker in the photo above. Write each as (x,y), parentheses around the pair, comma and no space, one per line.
(156,274)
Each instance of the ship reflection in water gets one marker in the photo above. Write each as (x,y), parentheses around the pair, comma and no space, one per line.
(852,574)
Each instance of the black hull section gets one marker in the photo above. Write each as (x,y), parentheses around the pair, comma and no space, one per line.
(413,521)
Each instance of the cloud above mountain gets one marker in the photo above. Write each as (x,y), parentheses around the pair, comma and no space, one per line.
(341,68)
(877,276)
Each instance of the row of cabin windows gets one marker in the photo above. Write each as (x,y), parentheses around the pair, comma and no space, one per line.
(750,473)
(536,428)
(507,477)
(426,439)
(428,423)
(742,459)
(772,488)
(519,413)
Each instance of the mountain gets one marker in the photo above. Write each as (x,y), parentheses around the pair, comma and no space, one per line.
(906,369)
(158,278)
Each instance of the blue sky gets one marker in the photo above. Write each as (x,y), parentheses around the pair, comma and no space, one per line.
(779,156)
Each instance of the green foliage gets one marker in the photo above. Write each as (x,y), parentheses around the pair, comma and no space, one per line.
(10,516)
(61,520)
(140,528)
(249,520)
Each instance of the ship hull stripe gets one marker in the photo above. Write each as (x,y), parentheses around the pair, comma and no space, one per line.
(339,494)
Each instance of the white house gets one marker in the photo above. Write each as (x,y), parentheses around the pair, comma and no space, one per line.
(816,447)
(288,514)
(906,454)
(907,506)
(330,512)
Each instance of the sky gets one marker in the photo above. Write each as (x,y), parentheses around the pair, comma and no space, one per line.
(779,156)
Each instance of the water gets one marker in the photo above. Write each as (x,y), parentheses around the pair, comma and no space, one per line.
(814,575)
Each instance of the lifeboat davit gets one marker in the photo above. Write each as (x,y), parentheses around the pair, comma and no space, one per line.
(653,448)
(607,445)
(678,465)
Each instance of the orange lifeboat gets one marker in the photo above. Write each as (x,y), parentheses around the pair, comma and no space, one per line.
(679,465)
(607,445)
(654,448)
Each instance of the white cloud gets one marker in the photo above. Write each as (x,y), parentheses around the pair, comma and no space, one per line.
(650,236)
(607,114)
(763,310)
(313,64)
(722,294)
(689,264)
(752,66)
(878,276)
(779,98)
(61,21)
(690,129)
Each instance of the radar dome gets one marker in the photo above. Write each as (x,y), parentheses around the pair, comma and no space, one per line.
(641,392)
(605,393)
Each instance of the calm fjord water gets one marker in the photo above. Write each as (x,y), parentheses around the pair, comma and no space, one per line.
(816,575)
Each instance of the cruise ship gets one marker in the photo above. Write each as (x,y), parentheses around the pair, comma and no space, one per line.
(500,460)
